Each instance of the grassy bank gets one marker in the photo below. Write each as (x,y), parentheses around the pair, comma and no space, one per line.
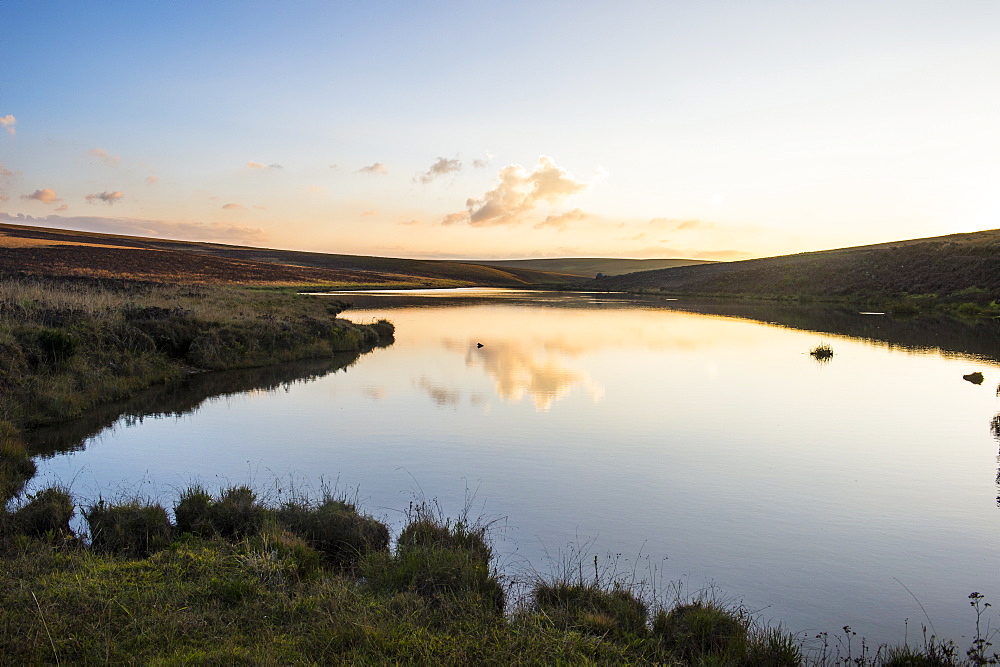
(231,579)
(226,578)
(67,345)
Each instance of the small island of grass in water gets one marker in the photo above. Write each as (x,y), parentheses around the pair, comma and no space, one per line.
(822,351)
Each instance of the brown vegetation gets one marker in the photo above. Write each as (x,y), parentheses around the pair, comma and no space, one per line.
(960,268)
(39,251)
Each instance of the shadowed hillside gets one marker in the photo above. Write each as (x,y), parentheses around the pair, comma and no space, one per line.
(56,252)
(958,267)
(589,267)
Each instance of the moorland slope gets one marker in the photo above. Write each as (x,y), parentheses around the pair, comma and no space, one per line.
(956,268)
(27,250)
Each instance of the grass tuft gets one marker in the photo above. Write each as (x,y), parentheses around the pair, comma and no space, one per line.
(133,529)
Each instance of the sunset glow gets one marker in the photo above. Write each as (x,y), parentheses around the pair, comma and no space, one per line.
(716,130)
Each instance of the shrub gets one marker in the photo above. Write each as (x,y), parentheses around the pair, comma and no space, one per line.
(56,345)
(236,513)
(385,330)
(701,629)
(969,309)
(588,608)
(336,530)
(276,553)
(440,574)
(47,512)
(427,533)
(193,512)
(131,529)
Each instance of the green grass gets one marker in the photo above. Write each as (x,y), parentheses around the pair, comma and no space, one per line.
(67,345)
(959,273)
(143,590)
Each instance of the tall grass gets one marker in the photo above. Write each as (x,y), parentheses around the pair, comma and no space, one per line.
(67,345)
(143,591)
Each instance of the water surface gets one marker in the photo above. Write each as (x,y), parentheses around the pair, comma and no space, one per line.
(699,441)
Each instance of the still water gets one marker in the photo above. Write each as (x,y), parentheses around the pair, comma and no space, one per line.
(691,443)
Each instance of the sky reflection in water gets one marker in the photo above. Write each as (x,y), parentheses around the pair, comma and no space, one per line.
(717,443)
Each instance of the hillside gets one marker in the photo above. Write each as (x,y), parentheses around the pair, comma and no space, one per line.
(55,252)
(589,267)
(957,267)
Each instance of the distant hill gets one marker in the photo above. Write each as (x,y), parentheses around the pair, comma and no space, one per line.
(958,267)
(44,251)
(589,267)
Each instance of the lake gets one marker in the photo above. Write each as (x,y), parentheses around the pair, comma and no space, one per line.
(692,445)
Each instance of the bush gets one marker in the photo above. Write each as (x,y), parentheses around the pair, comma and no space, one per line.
(133,529)
(701,629)
(236,513)
(969,309)
(439,574)
(48,512)
(193,513)
(276,554)
(427,533)
(588,608)
(336,530)
(385,330)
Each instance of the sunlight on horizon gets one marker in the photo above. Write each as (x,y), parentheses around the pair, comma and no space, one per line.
(664,130)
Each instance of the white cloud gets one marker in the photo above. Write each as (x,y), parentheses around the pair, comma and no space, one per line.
(519,191)
(105,157)
(374,168)
(441,167)
(562,220)
(9,123)
(45,195)
(108,198)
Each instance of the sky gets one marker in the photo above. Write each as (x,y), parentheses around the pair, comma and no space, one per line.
(493,130)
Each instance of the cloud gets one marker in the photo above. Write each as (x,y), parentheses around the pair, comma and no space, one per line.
(368,213)
(261,165)
(408,223)
(231,206)
(64,207)
(8,122)
(519,192)
(7,173)
(455,218)
(108,198)
(680,225)
(374,168)
(441,167)
(482,163)
(563,220)
(439,393)
(4,198)
(105,157)
(191,231)
(152,179)
(45,195)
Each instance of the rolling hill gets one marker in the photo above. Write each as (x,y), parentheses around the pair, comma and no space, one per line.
(589,267)
(55,252)
(957,267)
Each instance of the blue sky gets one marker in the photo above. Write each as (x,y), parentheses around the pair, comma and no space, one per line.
(701,129)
